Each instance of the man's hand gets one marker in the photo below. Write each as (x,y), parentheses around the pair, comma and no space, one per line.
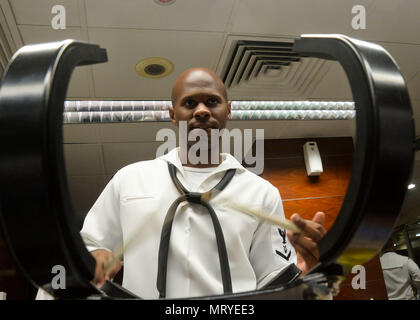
(102,257)
(306,242)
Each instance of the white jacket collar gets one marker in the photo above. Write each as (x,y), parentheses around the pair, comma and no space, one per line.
(228,161)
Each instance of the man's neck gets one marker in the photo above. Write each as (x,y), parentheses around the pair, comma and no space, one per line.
(208,163)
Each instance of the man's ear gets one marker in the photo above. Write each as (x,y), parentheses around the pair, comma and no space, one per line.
(229,110)
(172,115)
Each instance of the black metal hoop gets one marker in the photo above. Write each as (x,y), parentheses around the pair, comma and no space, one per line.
(36,213)
(384,154)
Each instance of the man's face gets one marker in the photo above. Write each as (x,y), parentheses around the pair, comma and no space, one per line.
(200,101)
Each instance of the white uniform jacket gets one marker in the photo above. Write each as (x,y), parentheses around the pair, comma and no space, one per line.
(400,273)
(135,202)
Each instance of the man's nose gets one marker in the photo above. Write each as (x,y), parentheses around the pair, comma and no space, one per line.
(201,112)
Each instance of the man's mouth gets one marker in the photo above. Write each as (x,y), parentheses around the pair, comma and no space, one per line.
(206,127)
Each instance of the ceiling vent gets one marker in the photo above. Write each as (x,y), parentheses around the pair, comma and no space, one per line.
(270,69)
(251,59)
(5,50)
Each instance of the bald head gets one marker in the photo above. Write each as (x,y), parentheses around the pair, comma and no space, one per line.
(197,78)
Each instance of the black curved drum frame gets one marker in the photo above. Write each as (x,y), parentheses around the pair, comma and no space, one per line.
(36,213)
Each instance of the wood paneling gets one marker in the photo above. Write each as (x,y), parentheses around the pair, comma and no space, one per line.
(14,284)
(308,207)
(11,279)
(290,177)
(6,261)
(285,148)
(375,284)
(284,167)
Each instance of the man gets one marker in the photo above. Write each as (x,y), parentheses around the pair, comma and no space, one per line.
(196,246)
(401,274)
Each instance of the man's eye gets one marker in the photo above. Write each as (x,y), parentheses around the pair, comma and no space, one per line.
(190,103)
(213,101)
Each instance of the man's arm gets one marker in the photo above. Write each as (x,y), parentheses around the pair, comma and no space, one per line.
(101,231)
(414,271)
(271,252)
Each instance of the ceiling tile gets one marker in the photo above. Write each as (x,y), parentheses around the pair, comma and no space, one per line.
(107,178)
(132,132)
(406,56)
(392,21)
(272,128)
(116,133)
(333,86)
(210,15)
(39,12)
(321,128)
(294,17)
(83,159)
(81,133)
(118,79)
(78,87)
(118,155)
(284,129)
(38,34)
(415,104)
(84,190)
(414,87)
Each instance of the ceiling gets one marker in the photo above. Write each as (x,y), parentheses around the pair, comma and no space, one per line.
(200,33)
(193,33)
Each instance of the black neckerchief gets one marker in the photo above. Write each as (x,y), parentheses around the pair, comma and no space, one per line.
(199,198)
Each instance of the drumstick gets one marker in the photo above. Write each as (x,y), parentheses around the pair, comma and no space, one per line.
(283,223)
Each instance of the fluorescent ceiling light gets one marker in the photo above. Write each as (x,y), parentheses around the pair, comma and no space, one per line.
(135,111)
